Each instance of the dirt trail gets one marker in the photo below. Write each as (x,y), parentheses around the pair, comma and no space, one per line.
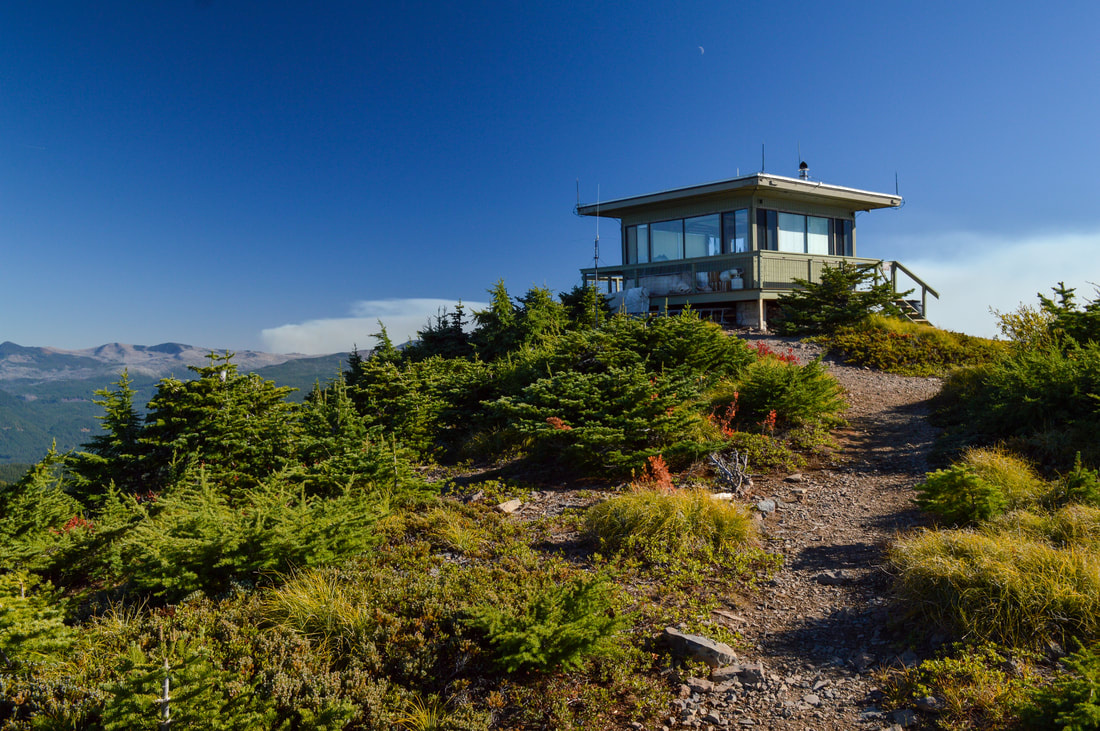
(821,627)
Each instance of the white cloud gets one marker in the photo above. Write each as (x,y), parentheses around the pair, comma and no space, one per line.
(402,318)
(999,272)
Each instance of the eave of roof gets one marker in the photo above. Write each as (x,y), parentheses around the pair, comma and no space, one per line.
(775,185)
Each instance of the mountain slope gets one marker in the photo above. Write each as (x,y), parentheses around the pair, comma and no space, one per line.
(46,393)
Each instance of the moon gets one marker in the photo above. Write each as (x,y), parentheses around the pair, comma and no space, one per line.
(701,51)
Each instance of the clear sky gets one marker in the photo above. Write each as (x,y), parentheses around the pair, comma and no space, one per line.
(278,175)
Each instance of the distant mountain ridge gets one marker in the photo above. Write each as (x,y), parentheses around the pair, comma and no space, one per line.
(46,393)
(42,364)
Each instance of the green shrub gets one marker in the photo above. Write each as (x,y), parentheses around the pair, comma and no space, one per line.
(960,495)
(974,683)
(798,395)
(984,484)
(555,626)
(193,538)
(36,514)
(1072,700)
(908,348)
(1080,485)
(1000,585)
(32,626)
(609,420)
(1037,400)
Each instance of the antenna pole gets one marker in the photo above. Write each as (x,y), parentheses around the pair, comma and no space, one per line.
(761,157)
(596,262)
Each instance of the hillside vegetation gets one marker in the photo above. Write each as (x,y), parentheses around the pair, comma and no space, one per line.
(1014,569)
(292,565)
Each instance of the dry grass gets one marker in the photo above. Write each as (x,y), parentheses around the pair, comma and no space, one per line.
(1017,479)
(1001,584)
(681,519)
(316,605)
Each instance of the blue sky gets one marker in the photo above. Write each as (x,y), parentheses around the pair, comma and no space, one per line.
(279,175)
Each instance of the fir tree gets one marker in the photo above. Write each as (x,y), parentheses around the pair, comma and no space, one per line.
(240,427)
(541,318)
(115,455)
(495,334)
(847,294)
(586,307)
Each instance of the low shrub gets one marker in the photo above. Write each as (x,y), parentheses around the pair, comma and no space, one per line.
(798,395)
(1036,400)
(1000,585)
(961,496)
(1080,485)
(610,421)
(908,348)
(32,621)
(983,484)
(981,686)
(1072,700)
(555,626)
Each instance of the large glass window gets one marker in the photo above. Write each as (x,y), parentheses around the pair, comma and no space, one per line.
(702,236)
(666,240)
(792,232)
(817,235)
(735,230)
(637,244)
(766,229)
(801,234)
(842,237)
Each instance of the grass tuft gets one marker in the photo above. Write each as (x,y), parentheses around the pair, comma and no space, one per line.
(682,520)
(1001,585)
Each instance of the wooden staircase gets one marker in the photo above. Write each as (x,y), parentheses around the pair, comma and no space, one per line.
(913,310)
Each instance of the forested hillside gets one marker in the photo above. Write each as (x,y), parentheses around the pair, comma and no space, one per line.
(44,406)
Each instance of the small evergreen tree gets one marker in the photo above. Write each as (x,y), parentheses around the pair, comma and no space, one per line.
(846,295)
(585,306)
(240,428)
(114,456)
(446,338)
(541,318)
(1081,324)
(496,334)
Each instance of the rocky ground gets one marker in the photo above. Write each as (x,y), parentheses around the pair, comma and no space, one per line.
(816,635)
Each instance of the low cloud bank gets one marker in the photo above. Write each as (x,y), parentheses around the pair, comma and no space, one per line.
(983,272)
(402,318)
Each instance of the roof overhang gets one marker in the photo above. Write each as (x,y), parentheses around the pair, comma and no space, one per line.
(775,186)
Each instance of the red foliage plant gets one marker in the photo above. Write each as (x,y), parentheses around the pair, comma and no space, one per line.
(656,474)
(763,350)
(769,422)
(723,419)
(556,423)
(76,522)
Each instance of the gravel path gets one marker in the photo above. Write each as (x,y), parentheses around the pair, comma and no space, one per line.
(816,633)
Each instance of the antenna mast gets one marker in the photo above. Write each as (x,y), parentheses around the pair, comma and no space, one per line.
(596,262)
